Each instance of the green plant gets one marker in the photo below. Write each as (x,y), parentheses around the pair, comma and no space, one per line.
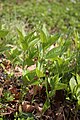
(3,41)
(75,87)
(38,45)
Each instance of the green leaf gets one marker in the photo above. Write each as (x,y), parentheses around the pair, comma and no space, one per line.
(43,37)
(46,106)
(15,52)
(3,33)
(22,41)
(78,92)
(30,118)
(65,46)
(28,76)
(51,93)
(60,86)
(8,96)
(55,52)
(29,62)
(37,82)
(39,70)
(32,52)
(78,102)
(20,34)
(72,84)
(45,30)
(53,82)
(39,73)
(34,42)
(30,37)
(51,40)
(78,78)
(4,48)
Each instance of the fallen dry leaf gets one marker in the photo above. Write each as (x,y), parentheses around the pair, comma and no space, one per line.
(18,71)
(1,90)
(7,64)
(38,108)
(35,90)
(32,67)
(15,91)
(26,107)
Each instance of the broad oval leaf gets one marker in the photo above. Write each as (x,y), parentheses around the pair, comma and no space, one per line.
(55,52)
(72,84)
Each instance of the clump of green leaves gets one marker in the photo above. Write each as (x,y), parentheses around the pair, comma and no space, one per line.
(75,87)
(55,57)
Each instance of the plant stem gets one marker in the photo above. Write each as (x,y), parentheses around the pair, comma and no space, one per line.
(46,85)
